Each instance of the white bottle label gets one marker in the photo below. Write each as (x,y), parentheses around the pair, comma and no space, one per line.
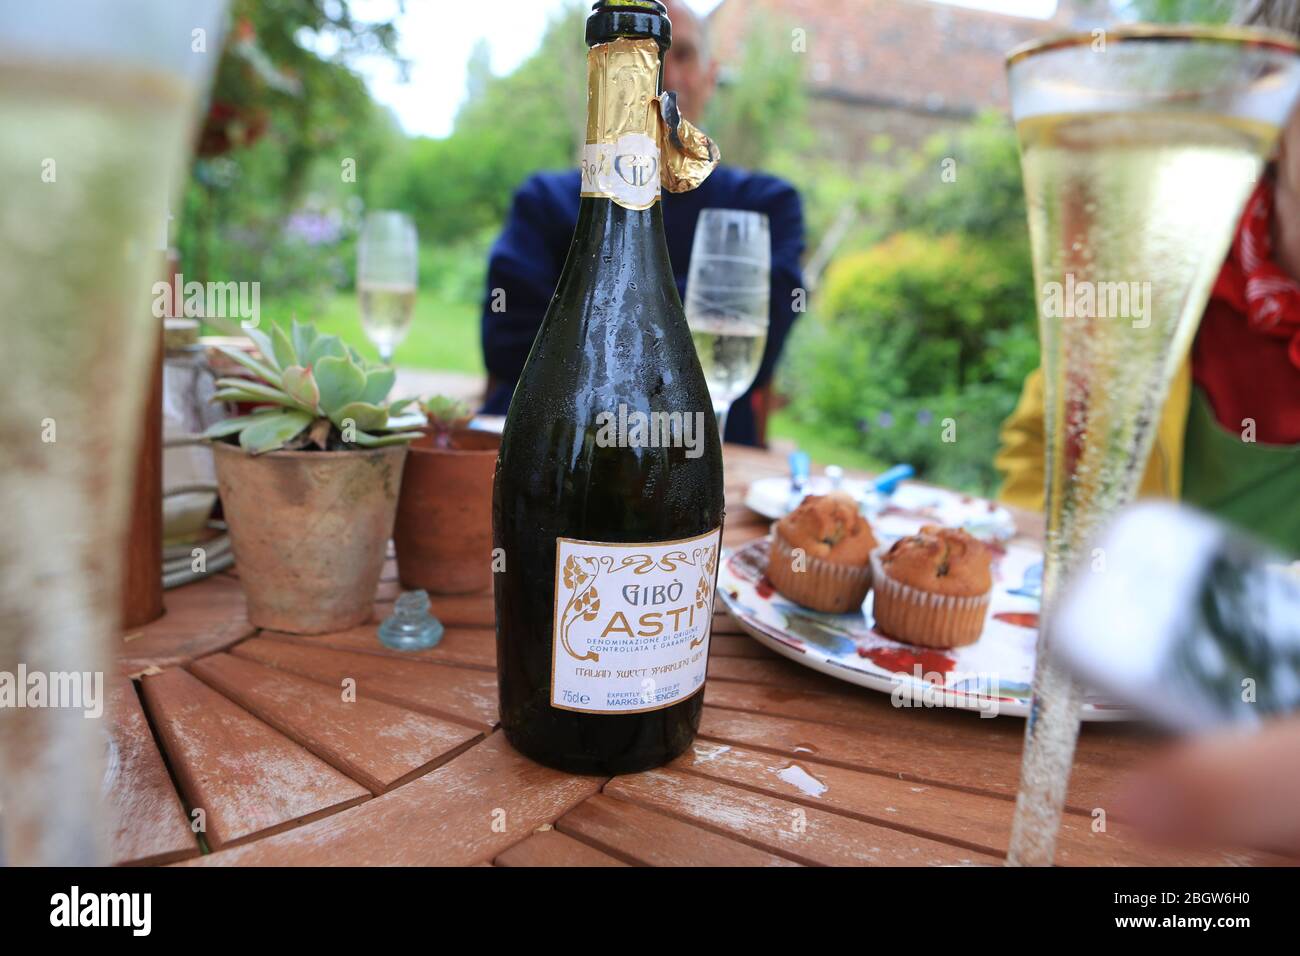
(626,171)
(631,623)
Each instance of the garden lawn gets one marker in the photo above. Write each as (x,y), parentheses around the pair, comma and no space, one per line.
(444,334)
(782,426)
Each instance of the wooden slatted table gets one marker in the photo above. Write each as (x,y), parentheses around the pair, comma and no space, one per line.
(334,749)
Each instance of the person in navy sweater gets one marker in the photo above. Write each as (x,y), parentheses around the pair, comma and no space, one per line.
(528,256)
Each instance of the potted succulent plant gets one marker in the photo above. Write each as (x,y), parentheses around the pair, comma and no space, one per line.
(444,517)
(309,480)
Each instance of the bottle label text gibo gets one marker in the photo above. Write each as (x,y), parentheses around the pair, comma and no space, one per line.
(631,627)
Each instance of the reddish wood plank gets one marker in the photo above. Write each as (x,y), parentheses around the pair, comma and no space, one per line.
(453,693)
(201,618)
(454,610)
(377,744)
(724,623)
(462,646)
(920,753)
(774,670)
(774,733)
(649,837)
(552,848)
(248,778)
(805,834)
(973,820)
(745,463)
(1113,745)
(739,515)
(148,823)
(467,811)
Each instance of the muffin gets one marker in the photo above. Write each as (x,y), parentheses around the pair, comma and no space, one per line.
(821,554)
(932,588)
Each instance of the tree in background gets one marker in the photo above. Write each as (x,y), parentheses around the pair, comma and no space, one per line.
(284,118)
(758,115)
(1183,11)
(1162,11)
(508,128)
(924,328)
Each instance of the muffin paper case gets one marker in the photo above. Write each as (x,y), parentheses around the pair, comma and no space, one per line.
(918,617)
(822,585)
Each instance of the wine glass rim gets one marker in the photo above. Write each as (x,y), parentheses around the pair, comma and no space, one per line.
(721,212)
(1248,35)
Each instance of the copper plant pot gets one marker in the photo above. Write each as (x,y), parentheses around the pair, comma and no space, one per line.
(444,517)
(310,531)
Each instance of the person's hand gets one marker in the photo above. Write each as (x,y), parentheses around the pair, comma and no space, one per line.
(1230,789)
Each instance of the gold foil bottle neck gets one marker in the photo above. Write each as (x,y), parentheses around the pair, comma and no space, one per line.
(622,77)
(637,142)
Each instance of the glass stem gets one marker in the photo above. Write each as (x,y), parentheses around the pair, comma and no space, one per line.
(1050,737)
(720,409)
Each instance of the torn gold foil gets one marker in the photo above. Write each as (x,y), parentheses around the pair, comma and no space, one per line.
(689,155)
(637,141)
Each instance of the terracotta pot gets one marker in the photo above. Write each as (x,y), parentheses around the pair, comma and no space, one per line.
(310,532)
(444,518)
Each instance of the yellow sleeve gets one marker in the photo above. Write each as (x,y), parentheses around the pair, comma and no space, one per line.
(1020,460)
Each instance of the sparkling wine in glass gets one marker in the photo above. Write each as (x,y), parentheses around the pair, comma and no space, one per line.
(96,121)
(1139,149)
(728,290)
(387,266)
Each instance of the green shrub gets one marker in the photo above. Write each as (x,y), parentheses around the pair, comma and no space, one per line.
(917,340)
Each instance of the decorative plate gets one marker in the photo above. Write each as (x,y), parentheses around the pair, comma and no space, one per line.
(992,676)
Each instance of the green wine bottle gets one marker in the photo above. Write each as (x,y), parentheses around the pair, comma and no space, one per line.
(607,504)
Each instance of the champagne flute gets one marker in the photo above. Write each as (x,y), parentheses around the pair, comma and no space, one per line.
(95,122)
(728,290)
(387,266)
(1139,148)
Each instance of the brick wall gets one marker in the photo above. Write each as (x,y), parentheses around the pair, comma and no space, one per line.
(886,72)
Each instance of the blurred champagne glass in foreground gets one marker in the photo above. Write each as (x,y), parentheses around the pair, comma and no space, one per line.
(97,105)
(1139,148)
(387,268)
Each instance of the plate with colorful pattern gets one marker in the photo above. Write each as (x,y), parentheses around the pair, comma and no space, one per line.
(992,676)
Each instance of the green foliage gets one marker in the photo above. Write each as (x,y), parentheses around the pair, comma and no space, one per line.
(317,115)
(445,416)
(932,318)
(446,413)
(444,332)
(508,128)
(967,181)
(910,333)
(1178,11)
(314,392)
(759,113)
(909,329)
(331,101)
(455,271)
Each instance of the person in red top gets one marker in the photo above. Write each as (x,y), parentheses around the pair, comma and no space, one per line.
(1236,369)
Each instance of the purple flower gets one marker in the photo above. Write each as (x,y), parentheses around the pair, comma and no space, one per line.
(313,228)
